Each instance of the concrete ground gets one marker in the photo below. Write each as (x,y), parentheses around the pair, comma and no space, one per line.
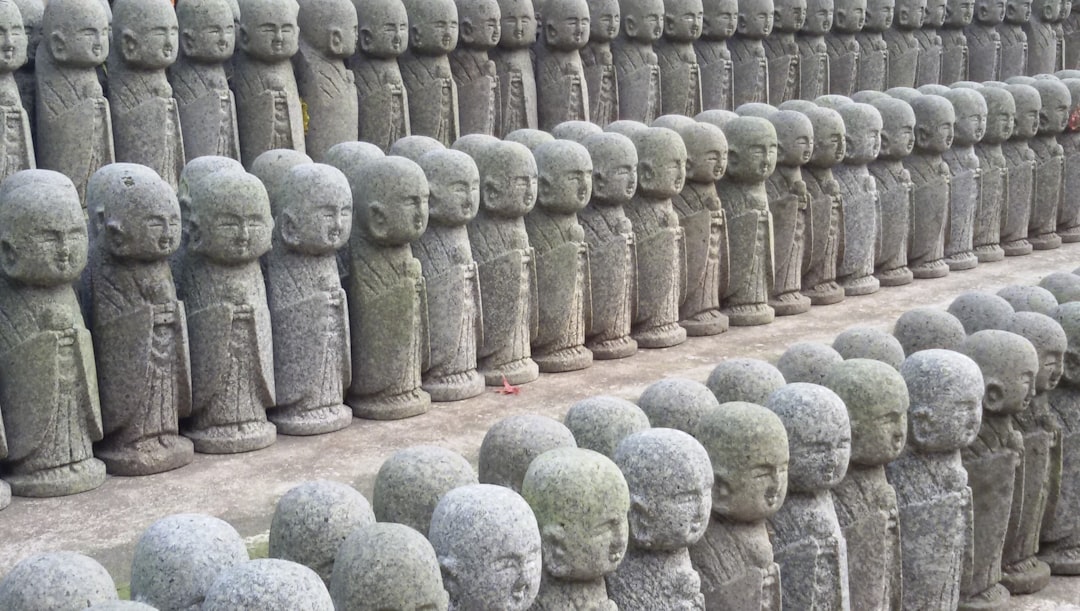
(242,489)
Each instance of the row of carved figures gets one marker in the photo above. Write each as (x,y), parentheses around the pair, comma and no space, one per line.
(143,83)
(932,468)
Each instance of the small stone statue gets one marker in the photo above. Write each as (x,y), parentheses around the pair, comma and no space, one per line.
(1070,57)
(506,263)
(425,69)
(934,124)
(844,48)
(140,328)
(752,151)
(869,343)
(308,308)
(789,203)
(31,12)
(1008,363)
(577,496)
(1029,298)
(382,99)
(411,481)
(677,403)
(1068,217)
(740,379)
(413,147)
(387,566)
(56,580)
(74,127)
(820,252)
(1014,41)
(749,64)
(894,189)
(1065,286)
(680,73)
(926,328)
(735,557)
(932,493)
(269,584)
(807,541)
(610,237)
(599,423)
(48,379)
(488,545)
(965,176)
(877,403)
(871,72)
(1049,162)
(782,50)
(903,44)
(928,70)
(954,43)
(814,69)
(1060,547)
(1042,44)
(670,480)
(514,67)
(808,362)
(328,32)
(993,174)
(17,146)
(558,240)
(1021,164)
(562,94)
(984,41)
(229,226)
(859,198)
(450,277)
(204,102)
(600,79)
(511,444)
(474,71)
(978,311)
(719,20)
(636,64)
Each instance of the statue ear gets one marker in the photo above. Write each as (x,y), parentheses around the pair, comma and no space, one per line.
(194,233)
(884,142)
(243,37)
(597,181)
(741,24)
(115,233)
(9,255)
(465,31)
(721,496)
(414,37)
(490,191)
(57,47)
(994,395)
(449,566)
(629,25)
(129,45)
(732,159)
(544,186)
(645,171)
(551,33)
(335,40)
(288,228)
(553,543)
(640,521)
(984,11)
(365,40)
(376,219)
(922,133)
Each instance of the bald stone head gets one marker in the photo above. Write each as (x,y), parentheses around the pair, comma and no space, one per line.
(869,343)
(268,29)
(1056,103)
(1064,286)
(508,179)
(140,215)
(43,238)
(1068,316)
(1009,364)
(706,151)
(830,137)
(577,131)
(387,566)
(600,423)
(531,138)
(564,170)
(807,362)
(862,126)
(1029,298)
(273,166)
(946,390)
(11,22)
(935,122)
(877,403)
(661,162)
(752,149)
(512,443)
(565,24)
(741,379)
(1000,114)
(415,146)
(145,34)
(76,32)
(1050,342)
(383,28)
(971,115)
(411,482)
(479,24)
(642,20)
(926,328)
(615,161)
(454,184)
(677,403)
(794,137)
(819,435)
(313,214)
(897,127)
(207,30)
(977,311)
(391,208)
(518,24)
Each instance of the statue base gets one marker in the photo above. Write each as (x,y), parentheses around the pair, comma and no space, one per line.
(298,421)
(566,359)
(393,407)
(1026,577)
(146,456)
(1069,235)
(961,261)
(789,304)
(521,371)
(990,253)
(1017,248)
(233,438)
(1047,241)
(929,269)
(898,276)
(996,598)
(702,324)
(825,293)
(1063,560)
(864,285)
(663,336)
(454,386)
(749,315)
(59,481)
(608,349)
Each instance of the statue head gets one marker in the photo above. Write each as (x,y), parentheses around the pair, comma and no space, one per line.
(1047,11)
(935,14)
(604,20)
(581,501)
(347,156)
(193,172)
(830,138)
(742,379)
(511,444)
(268,583)
(971,115)
(789,15)
(31,12)
(819,435)
(207,31)
(479,23)
(897,128)
(978,310)
(1029,298)
(329,26)
(819,17)
(508,179)
(76,32)
(642,20)
(1008,363)
(1068,316)
(145,33)
(661,162)
(706,152)
(454,182)
(862,129)
(926,328)
(1000,114)
(433,26)
(518,24)
(271,167)
(56,580)
(935,122)
(1050,342)
(1074,94)
(869,343)
(269,29)
(577,131)
(98,190)
(676,403)
(599,423)
(314,214)
(752,149)
(756,18)
(529,137)
(868,96)
(230,220)
(411,481)
(614,179)
(1018,11)
(719,19)
(794,137)
(756,109)
(43,239)
(670,480)
(140,214)
(566,24)
(748,448)
(13,37)
(383,27)
(850,16)
(946,391)
(564,183)
(414,146)
(959,13)
(1064,286)
(683,19)
(989,12)
(392,206)
(910,14)
(807,362)
(877,404)
(1056,104)
(488,545)
(385,566)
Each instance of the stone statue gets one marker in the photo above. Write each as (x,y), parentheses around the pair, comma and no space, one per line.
(971,112)
(511,444)
(56,580)
(1021,164)
(928,70)
(612,273)
(670,479)
(871,72)
(31,12)
(894,189)
(414,147)
(749,63)
(807,540)
(204,101)
(328,33)
(1064,12)
(140,329)
(636,64)
(930,176)
(978,311)
(808,362)
(789,204)
(741,379)
(844,48)
(269,584)
(680,72)
(229,227)
(869,343)
(561,255)
(814,69)
(1049,162)
(17,146)
(530,138)
(74,127)
(877,404)
(984,41)
(993,174)
(600,79)
(719,20)
(752,153)
(488,545)
(735,557)
(820,252)
(193,172)
(678,403)
(1029,298)
(1014,41)
(514,67)
(1060,545)
(382,99)
(450,278)
(782,50)
(903,44)
(474,73)
(1065,286)
(1042,44)
(581,501)
(48,379)
(577,131)
(425,69)
(926,328)
(387,566)
(932,493)
(411,481)
(272,168)
(1068,217)
(1071,54)
(956,55)
(562,94)
(859,199)
(599,423)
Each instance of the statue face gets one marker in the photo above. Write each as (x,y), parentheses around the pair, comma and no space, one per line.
(482,29)
(48,250)
(319,225)
(664,173)
(851,15)
(152,43)
(645,22)
(670,519)
(753,491)
(511,193)
(400,216)
(233,231)
(566,189)
(1018,11)
(708,165)
(755,18)
(1027,119)
(518,24)
(910,13)
(1071,364)
(567,28)
(945,423)
(863,145)
(387,36)
(603,20)
(879,15)
(1049,10)
(587,545)
(270,34)
(1017,389)
(436,31)
(898,139)
(830,143)
(959,13)
(878,432)
(719,19)
(454,202)
(990,12)
(148,232)
(970,124)
(211,36)
(1000,124)
(819,17)
(936,135)
(615,181)
(795,150)
(82,46)
(683,19)
(32,29)
(509,580)
(935,14)
(790,15)
(12,38)
(1050,370)
(1054,114)
(753,161)
(820,456)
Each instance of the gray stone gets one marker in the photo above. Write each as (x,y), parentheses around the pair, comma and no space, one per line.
(1064,286)
(562,93)
(18,147)
(756,109)
(636,63)
(312,520)
(381,95)
(807,540)
(529,137)
(600,78)
(719,20)
(599,423)
(140,327)
(1068,215)
(328,33)
(807,362)
(932,493)
(928,70)
(628,128)
(488,545)
(978,311)
(877,402)
(1042,43)
(869,343)
(268,584)
(902,43)
(741,379)
(425,69)
(894,187)
(120,605)
(411,481)
(1029,298)
(813,52)
(348,157)
(179,556)
(56,581)
(782,50)
(843,46)
(834,101)
(387,566)
(930,176)
(414,147)
(31,12)
(859,199)
(873,58)
(272,168)
(677,403)
(221,283)
(789,203)
(826,205)
(926,328)
(513,64)
(670,480)
(680,74)
(1060,546)
(194,172)
(984,42)
(971,113)
(474,71)
(1020,160)
(749,66)
(1049,154)
(511,444)
(581,502)
(993,174)
(577,131)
